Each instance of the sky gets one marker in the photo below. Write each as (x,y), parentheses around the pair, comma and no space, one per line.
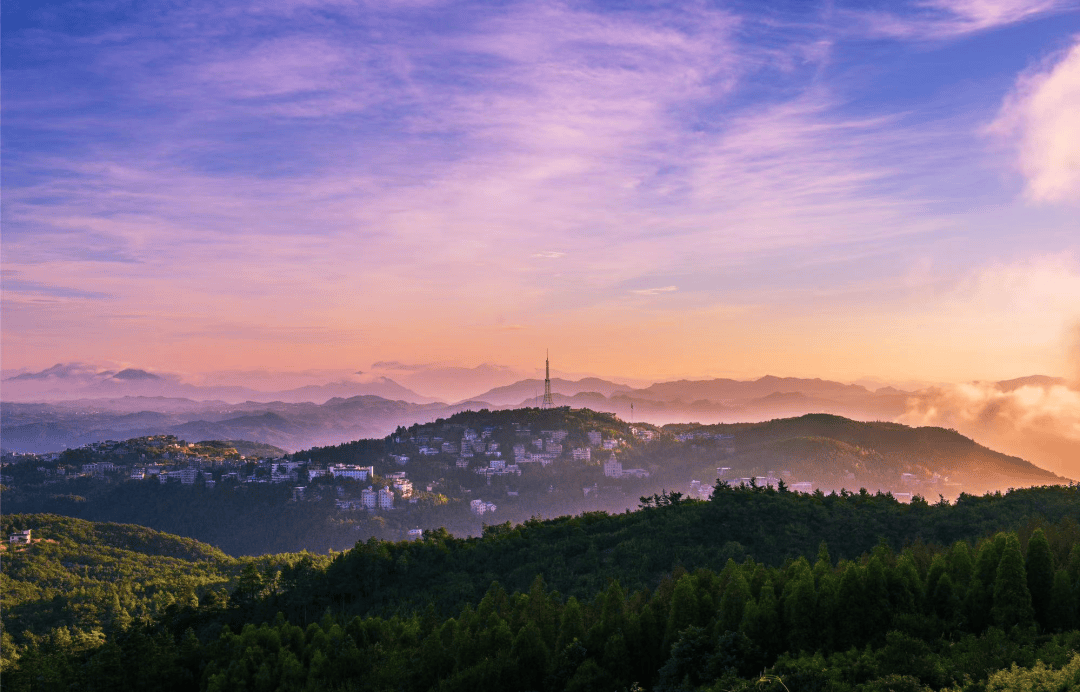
(815,189)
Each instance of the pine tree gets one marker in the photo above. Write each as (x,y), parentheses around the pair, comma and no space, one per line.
(961,564)
(823,564)
(1040,577)
(828,605)
(613,611)
(761,621)
(1063,615)
(532,658)
(879,615)
(541,611)
(937,568)
(571,625)
(800,613)
(946,602)
(905,587)
(852,607)
(732,603)
(683,611)
(980,596)
(1012,600)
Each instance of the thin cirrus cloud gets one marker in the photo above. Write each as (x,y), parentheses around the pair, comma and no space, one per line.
(654,291)
(247,163)
(937,20)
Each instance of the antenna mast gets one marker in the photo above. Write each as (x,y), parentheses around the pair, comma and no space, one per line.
(549,402)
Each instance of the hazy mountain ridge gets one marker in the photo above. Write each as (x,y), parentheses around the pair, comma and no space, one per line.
(77,381)
(997,414)
(825,447)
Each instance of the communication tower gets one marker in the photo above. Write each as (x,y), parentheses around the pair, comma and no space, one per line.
(548,401)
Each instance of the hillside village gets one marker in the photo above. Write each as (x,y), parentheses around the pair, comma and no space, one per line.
(445,456)
(480,468)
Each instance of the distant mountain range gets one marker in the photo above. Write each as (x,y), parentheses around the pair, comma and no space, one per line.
(77,403)
(718,400)
(334,413)
(74,381)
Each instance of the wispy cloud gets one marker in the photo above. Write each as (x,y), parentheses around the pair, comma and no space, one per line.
(937,20)
(13,284)
(1039,118)
(654,291)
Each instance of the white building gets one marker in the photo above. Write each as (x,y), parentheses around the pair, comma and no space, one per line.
(802,487)
(613,467)
(369,497)
(581,454)
(595,437)
(20,537)
(386,498)
(415,534)
(360,473)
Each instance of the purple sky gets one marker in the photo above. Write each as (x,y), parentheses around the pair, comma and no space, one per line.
(812,189)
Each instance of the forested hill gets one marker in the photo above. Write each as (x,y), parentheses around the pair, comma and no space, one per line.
(580,555)
(819,445)
(79,581)
(126,537)
(879,596)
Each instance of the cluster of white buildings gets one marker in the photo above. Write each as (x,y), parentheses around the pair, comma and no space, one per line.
(702,435)
(613,468)
(401,483)
(480,507)
(99,468)
(499,467)
(370,499)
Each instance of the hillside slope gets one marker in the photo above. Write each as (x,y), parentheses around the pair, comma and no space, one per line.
(871,454)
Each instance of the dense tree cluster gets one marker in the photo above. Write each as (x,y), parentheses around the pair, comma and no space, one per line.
(891,597)
(580,555)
